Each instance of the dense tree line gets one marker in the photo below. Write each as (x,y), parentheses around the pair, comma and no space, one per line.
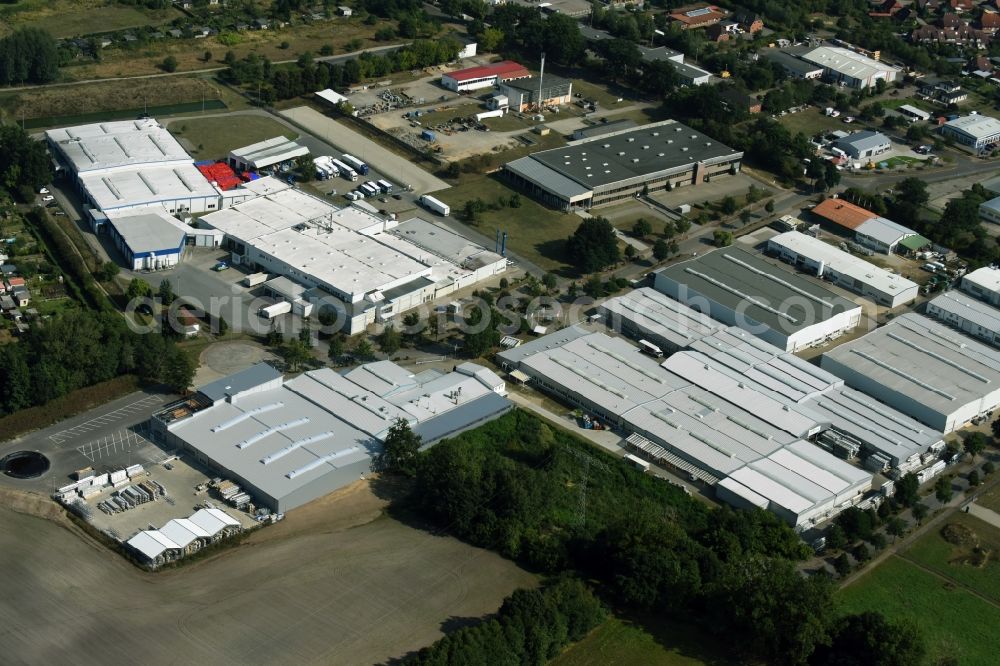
(78,348)
(28,55)
(543,498)
(24,163)
(307,76)
(530,628)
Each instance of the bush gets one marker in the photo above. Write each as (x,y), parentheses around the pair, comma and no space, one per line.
(169,64)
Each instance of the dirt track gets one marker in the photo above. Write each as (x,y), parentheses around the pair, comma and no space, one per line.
(335,583)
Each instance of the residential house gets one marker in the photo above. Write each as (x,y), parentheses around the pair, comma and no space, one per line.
(14,282)
(749,22)
(885,9)
(989,21)
(7,303)
(722,31)
(21,296)
(187,323)
(961,36)
(262,23)
(942,92)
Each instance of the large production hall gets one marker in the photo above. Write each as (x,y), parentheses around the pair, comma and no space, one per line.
(741,289)
(290,441)
(363,266)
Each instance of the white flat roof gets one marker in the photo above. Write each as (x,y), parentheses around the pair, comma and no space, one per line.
(349,250)
(843,262)
(986,278)
(846,62)
(977,126)
(918,357)
(117,144)
(146,186)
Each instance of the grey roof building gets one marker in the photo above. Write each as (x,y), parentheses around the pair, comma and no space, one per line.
(289,442)
(860,145)
(794,66)
(922,368)
(976,318)
(693,413)
(612,167)
(739,288)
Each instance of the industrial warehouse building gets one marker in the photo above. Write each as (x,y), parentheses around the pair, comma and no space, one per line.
(646,314)
(733,411)
(701,419)
(739,288)
(922,368)
(871,230)
(865,144)
(132,164)
(845,67)
(266,154)
(487,76)
(148,238)
(523,94)
(364,267)
(976,318)
(619,165)
(984,284)
(287,442)
(975,131)
(843,269)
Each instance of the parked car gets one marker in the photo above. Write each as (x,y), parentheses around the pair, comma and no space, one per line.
(48,197)
(44,190)
(221,266)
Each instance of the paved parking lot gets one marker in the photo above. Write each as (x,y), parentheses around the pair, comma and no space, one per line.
(118,442)
(138,407)
(109,437)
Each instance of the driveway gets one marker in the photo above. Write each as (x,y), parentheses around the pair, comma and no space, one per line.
(395,168)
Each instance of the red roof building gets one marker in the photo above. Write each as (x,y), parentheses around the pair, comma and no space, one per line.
(700,16)
(842,213)
(485,76)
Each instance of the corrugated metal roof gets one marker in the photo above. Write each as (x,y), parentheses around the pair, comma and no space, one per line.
(549,179)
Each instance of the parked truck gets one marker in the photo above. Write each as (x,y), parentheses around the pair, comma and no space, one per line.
(345,171)
(439,207)
(254,279)
(385,186)
(358,165)
(272,311)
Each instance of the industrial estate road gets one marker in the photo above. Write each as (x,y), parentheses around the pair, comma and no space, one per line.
(394,167)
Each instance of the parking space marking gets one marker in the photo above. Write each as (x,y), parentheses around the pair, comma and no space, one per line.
(117,442)
(105,419)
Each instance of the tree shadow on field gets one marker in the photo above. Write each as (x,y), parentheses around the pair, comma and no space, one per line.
(451,625)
